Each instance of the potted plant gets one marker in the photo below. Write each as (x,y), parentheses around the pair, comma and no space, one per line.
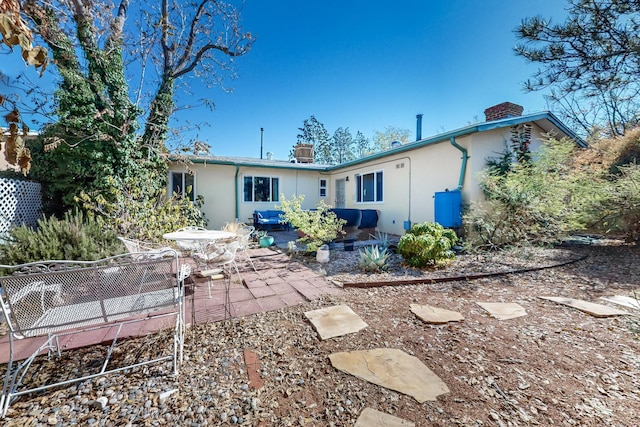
(316,227)
(264,239)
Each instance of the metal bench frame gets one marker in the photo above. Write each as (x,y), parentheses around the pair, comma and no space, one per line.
(54,299)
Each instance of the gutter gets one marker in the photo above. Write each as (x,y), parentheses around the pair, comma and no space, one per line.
(236,198)
(463,167)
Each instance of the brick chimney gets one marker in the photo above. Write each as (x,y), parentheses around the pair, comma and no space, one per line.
(503,111)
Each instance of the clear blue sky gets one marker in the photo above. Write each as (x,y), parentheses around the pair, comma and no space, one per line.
(367,65)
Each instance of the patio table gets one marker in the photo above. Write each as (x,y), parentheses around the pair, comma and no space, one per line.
(199,238)
(199,235)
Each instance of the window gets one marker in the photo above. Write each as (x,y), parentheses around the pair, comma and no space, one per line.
(261,189)
(322,185)
(369,187)
(182,183)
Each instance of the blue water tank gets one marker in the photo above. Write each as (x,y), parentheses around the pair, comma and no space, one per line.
(448,208)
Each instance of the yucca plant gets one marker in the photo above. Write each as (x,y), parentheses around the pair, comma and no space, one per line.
(374,260)
(382,238)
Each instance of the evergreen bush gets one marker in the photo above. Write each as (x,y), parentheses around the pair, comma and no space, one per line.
(426,244)
(75,237)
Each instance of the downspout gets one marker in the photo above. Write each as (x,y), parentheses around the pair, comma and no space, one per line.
(463,168)
(236,185)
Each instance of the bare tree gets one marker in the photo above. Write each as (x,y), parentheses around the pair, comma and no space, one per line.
(98,49)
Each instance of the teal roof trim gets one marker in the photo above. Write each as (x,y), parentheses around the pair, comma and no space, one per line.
(269,164)
(468,130)
(443,137)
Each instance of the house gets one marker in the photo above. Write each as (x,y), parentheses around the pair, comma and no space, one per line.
(401,183)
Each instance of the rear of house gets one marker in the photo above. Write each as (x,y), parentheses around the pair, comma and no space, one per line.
(402,183)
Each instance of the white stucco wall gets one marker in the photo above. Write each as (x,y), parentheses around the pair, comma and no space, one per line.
(411,179)
(217,185)
(487,145)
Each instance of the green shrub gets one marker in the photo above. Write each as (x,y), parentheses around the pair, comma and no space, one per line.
(535,203)
(138,215)
(318,226)
(373,259)
(426,244)
(619,211)
(72,238)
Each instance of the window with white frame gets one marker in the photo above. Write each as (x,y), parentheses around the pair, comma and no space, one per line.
(369,187)
(322,186)
(261,189)
(183,184)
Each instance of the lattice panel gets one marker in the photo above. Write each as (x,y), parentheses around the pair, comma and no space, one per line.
(20,203)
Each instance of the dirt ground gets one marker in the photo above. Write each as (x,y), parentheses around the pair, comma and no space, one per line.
(554,366)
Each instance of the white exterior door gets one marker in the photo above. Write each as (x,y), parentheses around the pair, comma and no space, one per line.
(340,203)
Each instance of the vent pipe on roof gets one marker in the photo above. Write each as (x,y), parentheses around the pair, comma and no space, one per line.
(261,141)
(418,127)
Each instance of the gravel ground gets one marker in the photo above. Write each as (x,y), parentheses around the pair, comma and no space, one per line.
(555,366)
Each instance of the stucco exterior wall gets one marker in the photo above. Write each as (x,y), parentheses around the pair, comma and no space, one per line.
(410,180)
(217,185)
(490,144)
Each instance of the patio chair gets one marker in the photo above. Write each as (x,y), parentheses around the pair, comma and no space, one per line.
(244,235)
(134,246)
(189,246)
(218,258)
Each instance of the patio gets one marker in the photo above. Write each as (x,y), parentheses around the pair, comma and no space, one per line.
(278,283)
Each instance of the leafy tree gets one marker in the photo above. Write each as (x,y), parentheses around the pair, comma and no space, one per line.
(591,63)
(97,133)
(362,145)
(382,140)
(342,145)
(314,132)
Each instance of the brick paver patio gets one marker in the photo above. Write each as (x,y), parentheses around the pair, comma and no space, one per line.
(279,282)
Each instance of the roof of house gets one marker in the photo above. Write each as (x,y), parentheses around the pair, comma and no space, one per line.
(250,161)
(546,120)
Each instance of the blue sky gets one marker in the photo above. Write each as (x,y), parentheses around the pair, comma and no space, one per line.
(367,65)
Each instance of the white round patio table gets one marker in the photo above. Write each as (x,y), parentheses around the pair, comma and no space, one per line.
(198,239)
(209,235)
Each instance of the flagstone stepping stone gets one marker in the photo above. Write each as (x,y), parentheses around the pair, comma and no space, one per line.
(624,300)
(436,315)
(393,369)
(503,310)
(372,418)
(597,310)
(335,321)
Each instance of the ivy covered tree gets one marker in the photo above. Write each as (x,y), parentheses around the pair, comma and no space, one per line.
(102,128)
(314,132)
(590,62)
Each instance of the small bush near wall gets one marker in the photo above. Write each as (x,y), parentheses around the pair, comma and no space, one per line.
(318,226)
(426,244)
(73,238)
